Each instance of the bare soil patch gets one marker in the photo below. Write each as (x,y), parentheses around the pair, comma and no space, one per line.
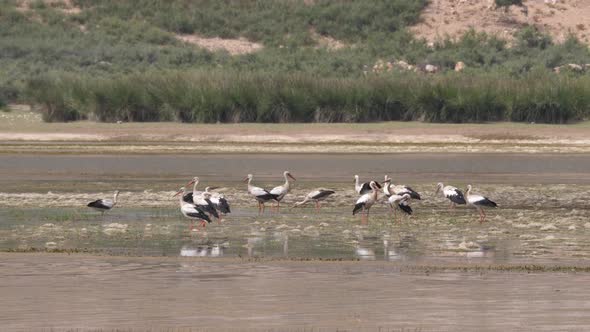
(65,6)
(453,18)
(232,46)
(327,42)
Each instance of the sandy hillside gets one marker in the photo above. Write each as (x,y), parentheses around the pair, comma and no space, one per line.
(454,17)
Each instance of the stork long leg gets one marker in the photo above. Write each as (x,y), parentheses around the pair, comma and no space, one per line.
(278,206)
(484,215)
(263,207)
(317,206)
(479,210)
(363,216)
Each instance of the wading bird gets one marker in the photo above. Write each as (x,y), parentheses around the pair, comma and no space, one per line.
(219,201)
(365,202)
(191,211)
(103,205)
(400,189)
(453,194)
(363,188)
(401,201)
(479,202)
(200,199)
(316,196)
(282,190)
(261,195)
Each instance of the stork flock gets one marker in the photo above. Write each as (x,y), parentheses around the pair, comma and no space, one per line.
(205,205)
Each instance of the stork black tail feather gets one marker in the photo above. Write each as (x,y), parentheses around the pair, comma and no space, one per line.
(209,209)
(458,199)
(406,208)
(224,206)
(201,215)
(358,207)
(95,204)
(268,197)
(415,195)
(487,202)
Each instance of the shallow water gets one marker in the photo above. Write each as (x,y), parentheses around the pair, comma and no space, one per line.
(62,292)
(226,276)
(512,234)
(538,219)
(16,169)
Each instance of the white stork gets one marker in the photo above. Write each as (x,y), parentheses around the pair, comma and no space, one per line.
(103,205)
(400,189)
(200,199)
(479,202)
(191,211)
(363,188)
(261,195)
(282,190)
(316,196)
(218,201)
(365,202)
(452,193)
(401,201)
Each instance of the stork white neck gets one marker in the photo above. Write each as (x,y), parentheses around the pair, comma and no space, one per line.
(180,196)
(373,186)
(249,181)
(287,184)
(195,188)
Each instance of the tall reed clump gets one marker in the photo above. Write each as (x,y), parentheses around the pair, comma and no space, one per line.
(550,99)
(226,96)
(62,98)
(458,99)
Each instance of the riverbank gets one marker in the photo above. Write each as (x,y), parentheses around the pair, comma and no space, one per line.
(23,131)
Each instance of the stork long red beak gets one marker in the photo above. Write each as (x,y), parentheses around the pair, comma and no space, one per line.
(178,193)
(292,177)
(245,179)
(191,182)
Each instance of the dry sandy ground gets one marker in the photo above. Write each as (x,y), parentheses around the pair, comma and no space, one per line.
(556,17)
(23,131)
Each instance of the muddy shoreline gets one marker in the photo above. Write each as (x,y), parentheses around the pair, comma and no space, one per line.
(23,131)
